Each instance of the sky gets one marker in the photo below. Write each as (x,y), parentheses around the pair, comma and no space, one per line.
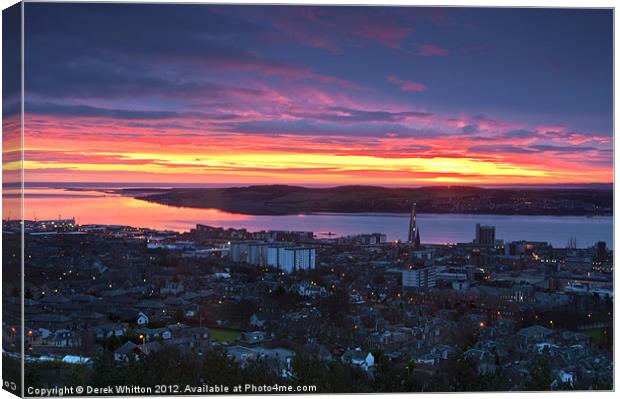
(317,95)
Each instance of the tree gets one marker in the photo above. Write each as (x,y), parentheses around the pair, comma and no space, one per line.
(540,378)
(308,370)
(388,377)
(217,368)
(168,366)
(456,375)
(77,375)
(112,343)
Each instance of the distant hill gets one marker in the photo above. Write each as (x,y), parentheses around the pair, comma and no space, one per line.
(283,199)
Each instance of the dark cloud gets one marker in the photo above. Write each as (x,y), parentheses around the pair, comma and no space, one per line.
(531,149)
(501,148)
(84,110)
(11,60)
(470,129)
(561,149)
(89,79)
(343,114)
(123,50)
(520,134)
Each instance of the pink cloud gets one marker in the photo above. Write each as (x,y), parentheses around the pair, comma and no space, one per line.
(429,50)
(319,28)
(406,85)
(389,36)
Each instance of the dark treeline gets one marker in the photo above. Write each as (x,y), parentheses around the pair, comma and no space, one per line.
(290,200)
(171,366)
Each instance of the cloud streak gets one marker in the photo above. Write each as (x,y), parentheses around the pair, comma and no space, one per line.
(430,50)
(406,85)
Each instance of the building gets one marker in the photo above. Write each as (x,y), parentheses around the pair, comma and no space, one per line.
(366,239)
(602,262)
(419,278)
(414,232)
(275,254)
(257,254)
(253,252)
(285,235)
(55,224)
(291,258)
(239,251)
(205,231)
(485,235)
(359,358)
(284,256)
(298,258)
(456,281)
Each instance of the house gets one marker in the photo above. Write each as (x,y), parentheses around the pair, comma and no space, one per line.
(142,319)
(278,359)
(484,360)
(196,333)
(172,288)
(125,352)
(564,377)
(51,321)
(151,306)
(257,320)
(443,351)
(51,301)
(155,333)
(254,337)
(359,358)
(108,330)
(428,359)
(148,348)
(64,338)
(388,340)
(311,290)
(42,334)
(190,338)
(546,348)
(190,344)
(191,311)
(84,317)
(533,334)
(240,354)
(130,351)
(572,337)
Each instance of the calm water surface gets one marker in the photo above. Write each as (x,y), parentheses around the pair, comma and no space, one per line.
(96,207)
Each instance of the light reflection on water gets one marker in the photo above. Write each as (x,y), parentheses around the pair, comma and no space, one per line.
(100,208)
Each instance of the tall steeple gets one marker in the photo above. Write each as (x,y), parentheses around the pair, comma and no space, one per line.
(414,235)
(416,244)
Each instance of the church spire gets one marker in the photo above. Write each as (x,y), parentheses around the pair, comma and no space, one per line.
(417,239)
(414,235)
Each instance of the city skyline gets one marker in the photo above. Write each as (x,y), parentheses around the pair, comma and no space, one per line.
(317,95)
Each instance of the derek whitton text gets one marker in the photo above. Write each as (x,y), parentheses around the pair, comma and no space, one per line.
(165,389)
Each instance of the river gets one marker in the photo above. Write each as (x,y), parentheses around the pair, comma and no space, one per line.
(96,207)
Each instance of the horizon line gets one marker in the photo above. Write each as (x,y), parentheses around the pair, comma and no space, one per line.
(311,185)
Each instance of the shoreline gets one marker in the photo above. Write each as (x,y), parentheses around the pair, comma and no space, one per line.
(367,213)
(157,196)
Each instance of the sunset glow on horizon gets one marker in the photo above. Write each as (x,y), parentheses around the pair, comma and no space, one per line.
(317,95)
